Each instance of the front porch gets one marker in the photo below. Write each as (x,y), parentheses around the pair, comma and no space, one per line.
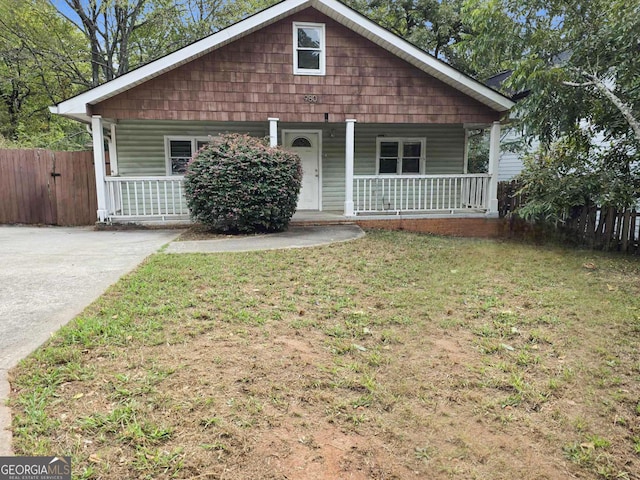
(128,197)
(161,198)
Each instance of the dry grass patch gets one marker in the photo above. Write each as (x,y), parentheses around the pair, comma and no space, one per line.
(394,356)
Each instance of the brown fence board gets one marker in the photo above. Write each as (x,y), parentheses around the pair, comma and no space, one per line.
(75,188)
(30,194)
(22,196)
(626,218)
(43,197)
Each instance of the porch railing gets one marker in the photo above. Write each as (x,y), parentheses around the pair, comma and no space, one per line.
(159,197)
(420,193)
(163,197)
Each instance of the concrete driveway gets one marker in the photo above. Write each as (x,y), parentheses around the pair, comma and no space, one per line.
(48,275)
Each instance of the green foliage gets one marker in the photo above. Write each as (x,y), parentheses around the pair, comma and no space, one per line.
(433,25)
(570,174)
(557,180)
(49,53)
(39,65)
(478,154)
(239,184)
(579,64)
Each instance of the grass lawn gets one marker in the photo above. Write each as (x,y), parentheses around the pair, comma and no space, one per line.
(396,356)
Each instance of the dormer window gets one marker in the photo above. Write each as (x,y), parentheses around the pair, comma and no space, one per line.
(309,49)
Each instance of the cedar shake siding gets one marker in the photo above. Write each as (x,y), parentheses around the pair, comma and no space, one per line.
(252,79)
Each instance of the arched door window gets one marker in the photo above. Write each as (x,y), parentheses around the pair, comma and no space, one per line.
(301,142)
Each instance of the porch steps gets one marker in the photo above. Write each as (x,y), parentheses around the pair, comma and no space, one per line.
(310,218)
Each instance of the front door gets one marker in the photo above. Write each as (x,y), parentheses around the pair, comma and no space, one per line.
(307,145)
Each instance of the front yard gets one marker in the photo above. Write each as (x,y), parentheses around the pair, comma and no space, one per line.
(395,356)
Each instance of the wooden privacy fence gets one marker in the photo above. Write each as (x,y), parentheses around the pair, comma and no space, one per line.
(591,226)
(605,228)
(46,187)
(508,198)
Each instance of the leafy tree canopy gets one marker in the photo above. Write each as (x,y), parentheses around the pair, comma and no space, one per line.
(579,61)
(41,60)
(433,25)
(53,49)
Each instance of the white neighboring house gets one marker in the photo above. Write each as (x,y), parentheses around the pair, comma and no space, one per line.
(511,163)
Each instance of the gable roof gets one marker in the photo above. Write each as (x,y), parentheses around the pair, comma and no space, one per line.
(76,107)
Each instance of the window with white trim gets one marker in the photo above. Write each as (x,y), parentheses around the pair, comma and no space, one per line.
(400,156)
(179,150)
(308,49)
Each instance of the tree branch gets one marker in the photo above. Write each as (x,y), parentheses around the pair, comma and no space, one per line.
(624,109)
(575,84)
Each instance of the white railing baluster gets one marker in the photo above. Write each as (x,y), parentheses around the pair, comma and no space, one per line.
(181,196)
(173,198)
(128,199)
(420,193)
(159,199)
(135,191)
(166,199)
(146,197)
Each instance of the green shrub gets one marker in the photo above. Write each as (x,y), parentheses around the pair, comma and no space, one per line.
(238,184)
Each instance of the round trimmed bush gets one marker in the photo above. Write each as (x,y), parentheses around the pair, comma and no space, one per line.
(238,184)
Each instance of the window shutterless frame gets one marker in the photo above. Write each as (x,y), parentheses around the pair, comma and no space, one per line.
(178,150)
(309,48)
(407,155)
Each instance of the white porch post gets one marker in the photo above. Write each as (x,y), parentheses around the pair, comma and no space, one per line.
(348,167)
(98,161)
(113,154)
(466,150)
(273,132)
(494,159)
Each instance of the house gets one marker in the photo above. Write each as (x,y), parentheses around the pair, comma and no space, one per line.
(379,124)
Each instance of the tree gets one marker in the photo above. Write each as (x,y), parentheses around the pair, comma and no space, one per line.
(41,58)
(580,63)
(109,26)
(53,49)
(433,25)
(123,34)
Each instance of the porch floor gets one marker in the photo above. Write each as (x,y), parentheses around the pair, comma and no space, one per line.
(314,217)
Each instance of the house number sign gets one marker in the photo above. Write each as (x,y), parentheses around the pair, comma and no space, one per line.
(311,99)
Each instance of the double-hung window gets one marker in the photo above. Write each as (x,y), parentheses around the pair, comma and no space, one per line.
(308,49)
(179,150)
(400,156)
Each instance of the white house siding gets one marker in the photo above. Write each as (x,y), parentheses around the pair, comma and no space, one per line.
(510,166)
(444,152)
(141,149)
(510,163)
